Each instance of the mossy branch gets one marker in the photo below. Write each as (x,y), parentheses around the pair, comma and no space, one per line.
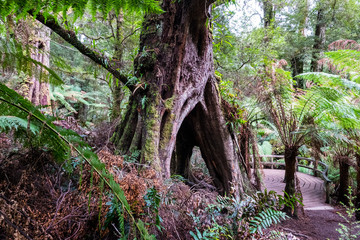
(70,37)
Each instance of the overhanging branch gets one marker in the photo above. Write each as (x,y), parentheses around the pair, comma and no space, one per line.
(70,37)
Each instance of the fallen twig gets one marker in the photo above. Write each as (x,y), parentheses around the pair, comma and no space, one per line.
(18,228)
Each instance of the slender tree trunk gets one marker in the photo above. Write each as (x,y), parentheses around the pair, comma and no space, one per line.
(297,61)
(269,13)
(37,37)
(290,171)
(257,160)
(304,10)
(269,17)
(316,152)
(244,147)
(177,98)
(117,87)
(357,204)
(317,157)
(297,67)
(344,179)
(319,41)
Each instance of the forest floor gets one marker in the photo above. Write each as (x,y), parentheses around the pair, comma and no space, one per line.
(319,220)
(41,200)
(315,225)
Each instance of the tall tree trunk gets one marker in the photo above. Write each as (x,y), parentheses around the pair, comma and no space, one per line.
(290,170)
(269,13)
(297,61)
(269,17)
(37,37)
(344,178)
(316,153)
(357,204)
(177,98)
(117,87)
(244,147)
(319,41)
(304,10)
(297,67)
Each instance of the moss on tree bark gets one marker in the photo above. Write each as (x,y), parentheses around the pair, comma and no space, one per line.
(176,104)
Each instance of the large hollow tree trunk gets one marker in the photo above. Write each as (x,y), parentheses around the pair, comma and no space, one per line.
(290,170)
(177,98)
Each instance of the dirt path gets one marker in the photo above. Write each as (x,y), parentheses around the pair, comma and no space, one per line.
(320,221)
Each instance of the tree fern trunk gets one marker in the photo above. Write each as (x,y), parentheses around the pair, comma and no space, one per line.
(290,170)
(344,179)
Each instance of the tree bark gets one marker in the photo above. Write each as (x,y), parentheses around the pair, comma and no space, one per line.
(319,41)
(357,203)
(297,67)
(269,13)
(35,37)
(290,170)
(176,102)
(344,179)
(244,143)
(297,61)
(116,86)
(269,17)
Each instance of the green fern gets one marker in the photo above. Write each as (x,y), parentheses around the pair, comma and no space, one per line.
(66,95)
(330,80)
(21,8)
(265,219)
(11,122)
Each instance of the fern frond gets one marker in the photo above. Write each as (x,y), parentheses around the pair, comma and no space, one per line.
(12,122)
(330,80)
(20,8)
(265,219)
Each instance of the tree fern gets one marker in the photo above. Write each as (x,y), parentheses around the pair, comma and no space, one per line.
(61,142)
(331,80)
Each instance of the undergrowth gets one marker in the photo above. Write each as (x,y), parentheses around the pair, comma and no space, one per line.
(350,230)
(135,204)
(36,130)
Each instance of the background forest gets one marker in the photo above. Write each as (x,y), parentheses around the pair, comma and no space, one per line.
(141,119)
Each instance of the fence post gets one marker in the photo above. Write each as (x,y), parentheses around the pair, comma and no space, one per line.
(272,162)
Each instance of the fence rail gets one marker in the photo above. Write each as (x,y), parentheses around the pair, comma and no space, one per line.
(323,173)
